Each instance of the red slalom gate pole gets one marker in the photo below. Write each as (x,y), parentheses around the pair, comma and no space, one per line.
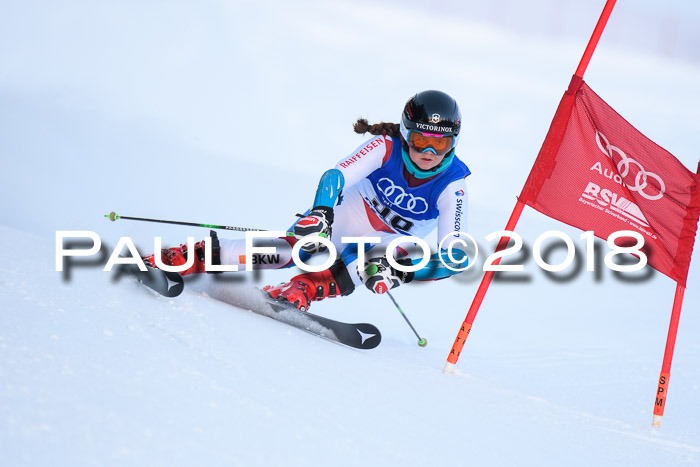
(595,37)
(466,327)
(480,293)
(662,390)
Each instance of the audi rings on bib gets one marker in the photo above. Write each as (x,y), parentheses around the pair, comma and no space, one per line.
(399,198)
(640,180)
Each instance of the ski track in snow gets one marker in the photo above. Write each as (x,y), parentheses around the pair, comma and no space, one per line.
(103,364)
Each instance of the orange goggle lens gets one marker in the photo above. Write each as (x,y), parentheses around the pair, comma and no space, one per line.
(421,143)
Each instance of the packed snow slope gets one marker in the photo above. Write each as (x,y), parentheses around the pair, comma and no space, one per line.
(225,112)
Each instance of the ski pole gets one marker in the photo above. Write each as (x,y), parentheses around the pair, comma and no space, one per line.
(422,342)
(113,216)
(372,269)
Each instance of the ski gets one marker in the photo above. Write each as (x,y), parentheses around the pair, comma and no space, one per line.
(168,284)
(357,335)
(171,284)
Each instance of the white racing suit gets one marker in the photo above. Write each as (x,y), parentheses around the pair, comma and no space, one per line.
(379,199)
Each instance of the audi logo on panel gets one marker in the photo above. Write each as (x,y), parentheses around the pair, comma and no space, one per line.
(623,166)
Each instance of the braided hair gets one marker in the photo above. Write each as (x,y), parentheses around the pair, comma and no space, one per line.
(362,126)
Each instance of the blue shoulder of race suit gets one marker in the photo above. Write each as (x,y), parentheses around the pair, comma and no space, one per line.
(329,188)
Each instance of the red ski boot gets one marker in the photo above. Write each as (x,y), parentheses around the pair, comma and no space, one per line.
(303,289)
(178,256)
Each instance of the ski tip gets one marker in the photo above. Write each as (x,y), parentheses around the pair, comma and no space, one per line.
(369,335)
(174,285)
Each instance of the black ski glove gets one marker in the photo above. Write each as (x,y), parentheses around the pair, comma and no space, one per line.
(379,277)
(317,222)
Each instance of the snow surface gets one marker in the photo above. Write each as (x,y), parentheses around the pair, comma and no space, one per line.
(225,112)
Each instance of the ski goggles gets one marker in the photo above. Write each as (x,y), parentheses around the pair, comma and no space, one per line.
(424,142)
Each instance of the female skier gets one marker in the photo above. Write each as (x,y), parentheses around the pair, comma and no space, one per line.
(404,181)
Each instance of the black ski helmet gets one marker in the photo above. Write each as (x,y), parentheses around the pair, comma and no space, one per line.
(431,112)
